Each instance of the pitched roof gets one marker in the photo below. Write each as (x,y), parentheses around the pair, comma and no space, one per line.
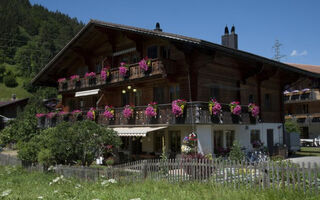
(174,37)
(310,68)
(3,104)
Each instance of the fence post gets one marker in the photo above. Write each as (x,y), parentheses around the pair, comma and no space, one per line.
(144,169)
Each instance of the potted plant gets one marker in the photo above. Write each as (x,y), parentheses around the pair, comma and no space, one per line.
(91,78)
(63,83)
(257,144)
(76,81)
(105,74)
(178,107)
(215,111)
(124,70)
(91,114)
(128,113)
(235,109)
(109,113)
(145,66)
(77,114)
(52,116)
(254,111)
(64,115)
(41,119)
(151,112)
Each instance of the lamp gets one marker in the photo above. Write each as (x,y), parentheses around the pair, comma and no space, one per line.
(129,87)
(123,91)
(134,90)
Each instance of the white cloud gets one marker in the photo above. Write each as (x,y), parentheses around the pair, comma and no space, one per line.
(296,53)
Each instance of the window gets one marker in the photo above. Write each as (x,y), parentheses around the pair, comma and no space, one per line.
(158,95)
(165,52)
(267,101)
(152,52)
(175,141)
(254,136)
(125,98)
(305,108)
(251,99)
(215,93)
(229,138)
(159,140)
(218,140)
(137,97)
(174,92)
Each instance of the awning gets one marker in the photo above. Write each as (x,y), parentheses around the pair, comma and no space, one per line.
(136,131)
(87,93)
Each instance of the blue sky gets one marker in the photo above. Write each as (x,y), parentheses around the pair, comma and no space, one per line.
(295,23)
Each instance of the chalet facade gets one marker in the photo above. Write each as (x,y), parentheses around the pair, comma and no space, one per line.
(179,68)
(302,103)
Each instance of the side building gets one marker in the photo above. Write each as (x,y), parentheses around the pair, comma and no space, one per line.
(180,67)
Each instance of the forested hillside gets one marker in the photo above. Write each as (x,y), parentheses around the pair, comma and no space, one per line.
(30,36)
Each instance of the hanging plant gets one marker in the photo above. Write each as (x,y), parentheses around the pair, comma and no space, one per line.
(178,107)
(90,75)
(151,110)
(109,112)
(123,69)
(254,110)
(145,64)
(235,108)
(62,80)
(40,115)
(91,114)
(75,78)
(214,107)
(105,73)
(128,111)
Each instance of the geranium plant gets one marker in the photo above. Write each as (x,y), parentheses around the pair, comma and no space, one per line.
(128,111)
(145,63)
(51,115)
(254,109)
(123,69)
(109,112)
(90,75)
(214,107)
(178,107)
(62,80)
(91,114)
(63,113)
(105,73)
(235,108)
(151,110)
(75,77)
(40,115)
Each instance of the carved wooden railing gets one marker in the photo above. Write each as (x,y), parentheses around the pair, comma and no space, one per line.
(196,112)
(309,95)
(158,67)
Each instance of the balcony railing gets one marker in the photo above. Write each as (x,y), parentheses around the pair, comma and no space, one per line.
(158,67)
(305,118)
(300,96)
(196,112)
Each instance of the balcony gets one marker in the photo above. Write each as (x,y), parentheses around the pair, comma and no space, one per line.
(158,68)
(196,112)
(305,119)
(302,96)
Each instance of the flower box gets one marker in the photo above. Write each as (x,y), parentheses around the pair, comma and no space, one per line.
(146,66)
(235,118)
(124,70)
(215,111)
(253,112)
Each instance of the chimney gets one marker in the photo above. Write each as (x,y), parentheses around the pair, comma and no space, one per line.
(230,40)
(158,27)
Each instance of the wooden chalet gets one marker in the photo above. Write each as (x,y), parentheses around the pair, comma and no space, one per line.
(181,68)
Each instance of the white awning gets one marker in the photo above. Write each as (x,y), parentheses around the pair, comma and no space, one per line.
(87,93)
(136,131)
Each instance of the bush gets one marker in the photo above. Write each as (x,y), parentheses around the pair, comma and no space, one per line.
(291,126)
(45,157)
(10,81)
(28,151)
(236,154)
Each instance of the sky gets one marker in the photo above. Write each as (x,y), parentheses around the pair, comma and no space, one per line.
(295,23)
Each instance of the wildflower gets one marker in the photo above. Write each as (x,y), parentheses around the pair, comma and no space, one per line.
(5,193)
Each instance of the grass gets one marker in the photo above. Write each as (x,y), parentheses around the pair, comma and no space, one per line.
(7,92)
(309,151)
(19,184)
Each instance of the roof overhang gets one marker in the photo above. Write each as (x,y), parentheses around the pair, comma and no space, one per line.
(136,131)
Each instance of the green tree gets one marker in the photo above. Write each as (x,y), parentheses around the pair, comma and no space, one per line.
(292,126)
(236,154)
(10,81)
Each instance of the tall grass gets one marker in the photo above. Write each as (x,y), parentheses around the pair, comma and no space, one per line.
(35,185)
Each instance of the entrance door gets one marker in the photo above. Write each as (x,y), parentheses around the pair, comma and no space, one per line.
(270,140)
(305,132)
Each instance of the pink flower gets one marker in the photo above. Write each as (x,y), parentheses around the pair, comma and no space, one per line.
(90,75)
(109,112)
(143,65)
(109,146)
(150,111)
(75,77)
(61,80)
(39,115)
(76,112)
(63,113)
(127,111)
(236,110)
(51,115)
(91,114)
(216,109)
(123,71)
(178,107)
(255,111)
(103,75)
